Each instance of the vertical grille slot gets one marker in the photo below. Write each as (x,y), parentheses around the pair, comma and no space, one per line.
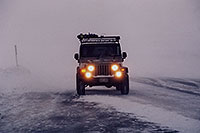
(103,69)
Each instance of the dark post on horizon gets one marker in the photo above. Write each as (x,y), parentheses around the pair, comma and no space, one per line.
(16,58)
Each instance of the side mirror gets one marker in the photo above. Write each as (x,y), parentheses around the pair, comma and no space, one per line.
(76,56)
(124,55)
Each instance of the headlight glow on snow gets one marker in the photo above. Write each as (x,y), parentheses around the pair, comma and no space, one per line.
(91,68)
(114,67)
(88,75)
(118,74)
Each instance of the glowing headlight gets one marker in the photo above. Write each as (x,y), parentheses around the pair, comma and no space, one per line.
(91,68)
(115,67)
(118,74)
(88,75)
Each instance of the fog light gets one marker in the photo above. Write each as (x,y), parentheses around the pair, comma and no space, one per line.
(118,74)
(88,75)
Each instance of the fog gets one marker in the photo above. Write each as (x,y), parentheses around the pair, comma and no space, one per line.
(162,38)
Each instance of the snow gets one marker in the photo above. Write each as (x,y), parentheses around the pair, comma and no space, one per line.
(16,80)
(184,85)
(21,80)
(148,112)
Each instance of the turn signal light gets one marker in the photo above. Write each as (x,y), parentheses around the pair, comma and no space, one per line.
(83,70)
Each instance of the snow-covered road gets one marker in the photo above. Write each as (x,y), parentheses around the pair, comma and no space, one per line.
(64,112)
(153,105)
(174,103)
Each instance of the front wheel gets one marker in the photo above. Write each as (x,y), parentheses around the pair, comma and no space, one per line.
(80,86)
(125,86)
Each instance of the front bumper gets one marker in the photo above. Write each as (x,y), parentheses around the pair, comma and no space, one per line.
(103,80)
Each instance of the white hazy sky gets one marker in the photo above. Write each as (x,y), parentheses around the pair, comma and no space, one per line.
(161,37)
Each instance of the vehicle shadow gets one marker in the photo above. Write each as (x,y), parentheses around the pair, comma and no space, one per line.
(98,91)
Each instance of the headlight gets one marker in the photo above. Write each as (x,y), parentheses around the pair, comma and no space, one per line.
(115,67)
(118,74)
(91,68)
(88,75)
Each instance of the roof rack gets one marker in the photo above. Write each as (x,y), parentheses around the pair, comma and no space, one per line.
(95,39)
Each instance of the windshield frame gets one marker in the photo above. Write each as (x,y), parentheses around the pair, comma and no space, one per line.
(117,46)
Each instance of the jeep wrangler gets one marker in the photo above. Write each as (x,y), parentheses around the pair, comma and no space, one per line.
(100,63)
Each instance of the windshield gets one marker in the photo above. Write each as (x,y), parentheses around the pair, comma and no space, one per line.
(100,50)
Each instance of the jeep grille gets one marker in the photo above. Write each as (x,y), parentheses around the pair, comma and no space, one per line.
(102,69)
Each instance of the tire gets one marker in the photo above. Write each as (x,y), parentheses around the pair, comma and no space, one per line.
(80,86)
(125,86)
(118,87)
